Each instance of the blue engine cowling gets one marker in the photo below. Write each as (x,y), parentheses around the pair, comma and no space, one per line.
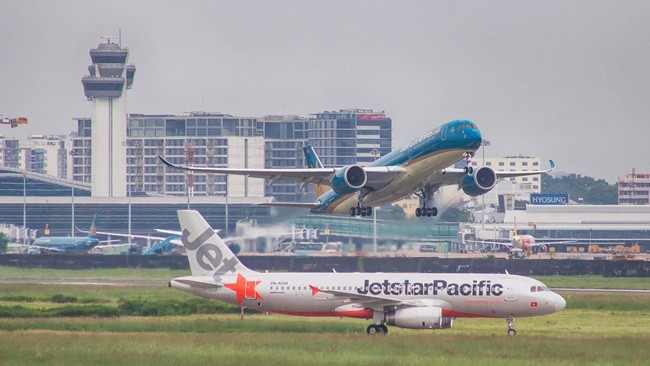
(481,181)
(349,179)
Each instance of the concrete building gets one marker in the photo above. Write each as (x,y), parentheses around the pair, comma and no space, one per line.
(520,187)
(634,189)
(350,136)
(106,87)
(38,153)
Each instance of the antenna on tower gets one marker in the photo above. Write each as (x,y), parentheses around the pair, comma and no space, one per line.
(108,38)
(120,30)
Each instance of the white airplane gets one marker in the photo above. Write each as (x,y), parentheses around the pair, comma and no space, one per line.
(522,244)
(406,300)
(421,167)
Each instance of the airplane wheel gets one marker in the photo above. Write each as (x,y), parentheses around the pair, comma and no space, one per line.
(372,329)
(352,211)
(429,212)
(434,212)
(383,329)
(362,211)
(512,332)
(470,170)
(369,211)
(418,212)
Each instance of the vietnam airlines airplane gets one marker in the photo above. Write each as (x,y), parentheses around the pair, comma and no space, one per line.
(406,300)
(67,244)
(421,167)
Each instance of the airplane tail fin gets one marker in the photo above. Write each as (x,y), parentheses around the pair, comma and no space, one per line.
(93,227)
(516,226)
(206,252)
(313,161)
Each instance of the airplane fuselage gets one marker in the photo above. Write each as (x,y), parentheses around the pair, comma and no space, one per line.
(421,160)
(459,295)
(67,244)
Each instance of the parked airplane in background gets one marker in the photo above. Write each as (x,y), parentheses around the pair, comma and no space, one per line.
(522,244)
(406,300)
(68,244)
(421,167)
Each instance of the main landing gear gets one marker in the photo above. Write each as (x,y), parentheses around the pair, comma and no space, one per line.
(511,331)
(360,211)
(377,329)
(426,200)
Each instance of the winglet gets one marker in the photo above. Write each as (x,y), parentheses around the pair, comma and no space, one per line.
(166,162)
(552,165)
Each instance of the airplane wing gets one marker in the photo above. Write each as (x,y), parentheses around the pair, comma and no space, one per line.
(378,301)
(455,175)
(377,177)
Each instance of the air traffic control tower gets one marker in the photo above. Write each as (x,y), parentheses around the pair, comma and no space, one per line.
(106,87)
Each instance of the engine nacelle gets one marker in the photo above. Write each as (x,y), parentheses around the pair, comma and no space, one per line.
(349,179)
(480,182)
(421,317)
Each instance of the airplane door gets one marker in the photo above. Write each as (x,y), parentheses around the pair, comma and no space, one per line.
(250,293)
(510,295)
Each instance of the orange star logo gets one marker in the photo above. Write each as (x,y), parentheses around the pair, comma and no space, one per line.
(244,289)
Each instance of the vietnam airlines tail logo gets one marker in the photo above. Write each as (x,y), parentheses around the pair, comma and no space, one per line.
(244,289)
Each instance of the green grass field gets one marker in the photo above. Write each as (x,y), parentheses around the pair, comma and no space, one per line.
(595,328)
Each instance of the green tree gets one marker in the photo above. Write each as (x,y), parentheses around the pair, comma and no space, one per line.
(454,214)
(592,191)
(4,242)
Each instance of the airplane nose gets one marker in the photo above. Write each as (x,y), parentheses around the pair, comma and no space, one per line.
(560,303)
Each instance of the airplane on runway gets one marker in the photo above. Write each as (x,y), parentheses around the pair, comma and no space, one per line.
(406,300)
(421,167)
(67,244)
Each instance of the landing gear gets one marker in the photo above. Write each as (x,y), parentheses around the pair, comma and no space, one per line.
(468,158)
(426,211)
(426,200)
(511,331)
(360,211)
(377,329)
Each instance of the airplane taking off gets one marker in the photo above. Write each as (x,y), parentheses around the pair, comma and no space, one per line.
(421,167)
(405,300)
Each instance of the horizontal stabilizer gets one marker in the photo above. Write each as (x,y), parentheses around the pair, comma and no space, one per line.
(291,204)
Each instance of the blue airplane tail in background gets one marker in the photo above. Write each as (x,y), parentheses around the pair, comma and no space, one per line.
(313,162)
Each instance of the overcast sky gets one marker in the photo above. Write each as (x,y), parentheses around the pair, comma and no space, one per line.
(563,80)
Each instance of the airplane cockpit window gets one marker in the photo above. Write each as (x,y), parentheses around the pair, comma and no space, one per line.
(533,289)
(539,289)
(465,126)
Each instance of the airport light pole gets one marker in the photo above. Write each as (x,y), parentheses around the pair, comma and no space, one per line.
(72,209)
(128,193)
(24,207)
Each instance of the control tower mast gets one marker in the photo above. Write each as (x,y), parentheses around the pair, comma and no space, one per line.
(106,87)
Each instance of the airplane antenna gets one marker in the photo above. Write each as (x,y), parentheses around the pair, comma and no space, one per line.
(333,270)
(507,272)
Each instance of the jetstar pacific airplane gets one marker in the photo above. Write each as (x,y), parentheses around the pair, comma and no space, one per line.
(406,300)
(421,167)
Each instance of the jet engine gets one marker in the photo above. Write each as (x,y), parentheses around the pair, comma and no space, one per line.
(349,179)
(481,181)
(421,317)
